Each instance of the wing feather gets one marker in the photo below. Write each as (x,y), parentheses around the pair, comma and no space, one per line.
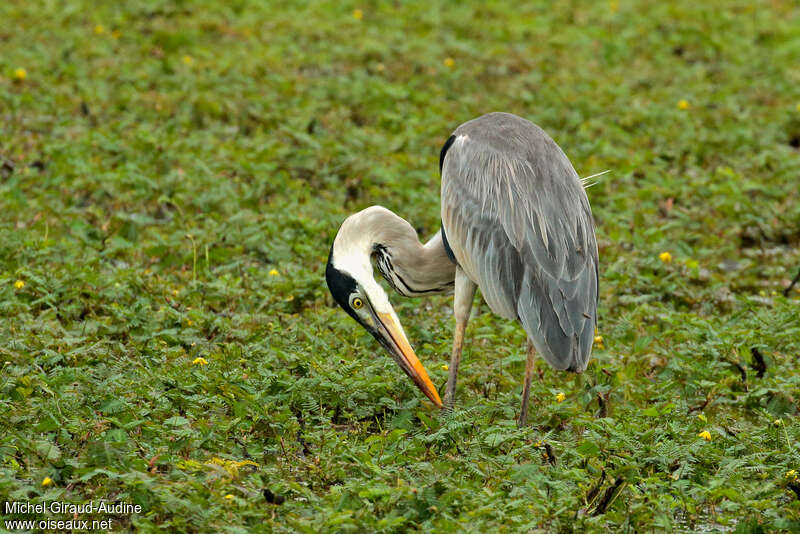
(519,223)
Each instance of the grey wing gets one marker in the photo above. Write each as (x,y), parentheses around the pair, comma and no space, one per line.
(519,224)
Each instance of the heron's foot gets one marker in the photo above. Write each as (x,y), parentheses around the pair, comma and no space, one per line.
(523,414)
(523,419)
(449,402)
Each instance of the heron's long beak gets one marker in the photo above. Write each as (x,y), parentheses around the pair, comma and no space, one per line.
(391,336)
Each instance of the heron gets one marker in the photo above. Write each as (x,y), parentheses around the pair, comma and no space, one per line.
(515,222)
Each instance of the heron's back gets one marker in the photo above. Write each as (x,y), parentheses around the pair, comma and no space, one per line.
(518,221)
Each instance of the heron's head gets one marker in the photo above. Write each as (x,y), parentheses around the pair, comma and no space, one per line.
(352,284)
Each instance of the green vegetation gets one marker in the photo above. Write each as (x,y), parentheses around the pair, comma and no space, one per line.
(172,175)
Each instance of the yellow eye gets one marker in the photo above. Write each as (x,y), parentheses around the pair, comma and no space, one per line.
(357,303)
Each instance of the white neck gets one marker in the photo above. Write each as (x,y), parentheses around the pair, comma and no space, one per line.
(411,268)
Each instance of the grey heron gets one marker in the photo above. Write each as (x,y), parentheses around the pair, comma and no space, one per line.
(516,222)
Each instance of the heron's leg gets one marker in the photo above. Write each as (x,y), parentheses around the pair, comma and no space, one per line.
(462,305)
(526,388)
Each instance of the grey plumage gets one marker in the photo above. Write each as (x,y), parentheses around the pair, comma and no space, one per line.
(518,221)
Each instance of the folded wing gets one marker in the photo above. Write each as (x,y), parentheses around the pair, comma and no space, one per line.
(518,221)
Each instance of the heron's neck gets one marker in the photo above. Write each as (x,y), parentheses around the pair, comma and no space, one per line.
(414,269)
(410,267)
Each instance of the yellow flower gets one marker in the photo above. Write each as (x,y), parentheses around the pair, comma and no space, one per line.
(445,367)
(273,272)
(560,397)
(449,62)
(47,481)
(187,60)
(777,422)
(19,284)
(99,29)
(228,497)
(189,322)
(683,104)
(666,257)
(358,14)
(705,434)
(791,474)
(174,292)
(702,417)
(598,340)
(200,361)
(20,74)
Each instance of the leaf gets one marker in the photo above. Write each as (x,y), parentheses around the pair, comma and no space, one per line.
(395,435)
(48,450)
(113,406)
(587,448)
(493,439)
(177,421)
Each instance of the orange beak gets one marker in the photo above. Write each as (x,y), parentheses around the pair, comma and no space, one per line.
(395,340)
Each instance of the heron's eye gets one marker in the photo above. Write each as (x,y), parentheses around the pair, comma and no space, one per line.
(357,303)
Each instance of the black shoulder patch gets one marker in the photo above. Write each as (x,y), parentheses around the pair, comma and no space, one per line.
(341,285)
(443,153)
(447,245)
